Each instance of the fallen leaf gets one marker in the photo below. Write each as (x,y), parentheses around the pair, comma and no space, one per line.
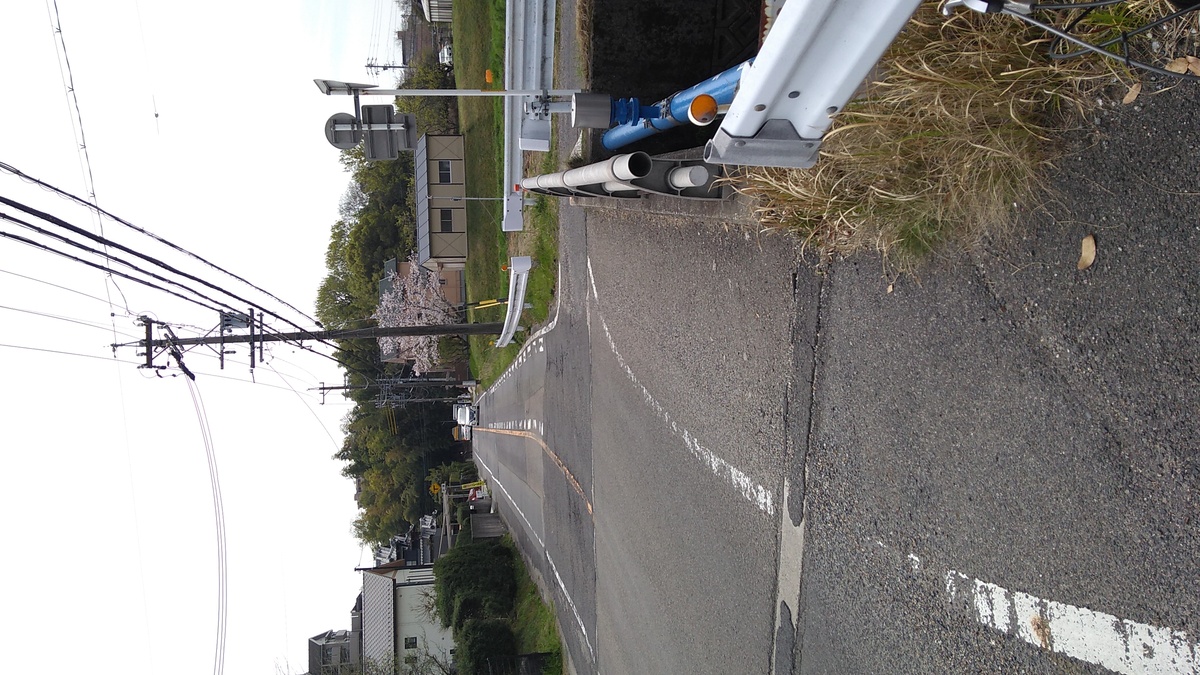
(1087,253)
(890,288)
(1133,93)
(1179,65)
(1041,628)
(1193,64)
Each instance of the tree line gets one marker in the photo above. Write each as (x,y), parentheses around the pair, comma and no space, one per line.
(388,451)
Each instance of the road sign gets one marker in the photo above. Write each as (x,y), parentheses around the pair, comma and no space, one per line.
(342,138)
(385,135)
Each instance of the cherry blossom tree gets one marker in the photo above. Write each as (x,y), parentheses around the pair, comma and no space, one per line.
(415,299)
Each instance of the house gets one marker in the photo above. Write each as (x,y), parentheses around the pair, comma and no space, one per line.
(439,163)
(338,652)
(396,626)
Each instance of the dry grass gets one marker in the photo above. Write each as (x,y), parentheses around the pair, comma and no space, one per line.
(955,131)
(583,36)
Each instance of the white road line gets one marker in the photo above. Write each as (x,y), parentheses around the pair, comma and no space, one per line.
(571,603)
(787,580)
(1117,644)
(512,501)
(755,493)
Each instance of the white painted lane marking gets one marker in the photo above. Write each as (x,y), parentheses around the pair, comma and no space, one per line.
(571,603)
(1117,644)
(538,337)
(755,493)
(512,501)
(788,576)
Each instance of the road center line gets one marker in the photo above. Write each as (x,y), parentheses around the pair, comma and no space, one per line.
(549,453)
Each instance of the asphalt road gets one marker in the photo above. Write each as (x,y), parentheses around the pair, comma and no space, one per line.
(721,459)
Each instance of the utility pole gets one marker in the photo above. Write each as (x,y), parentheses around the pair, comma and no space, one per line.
(172,344)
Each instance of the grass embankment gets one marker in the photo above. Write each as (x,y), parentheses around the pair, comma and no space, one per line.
(957,129)
(479,46)
(533,622)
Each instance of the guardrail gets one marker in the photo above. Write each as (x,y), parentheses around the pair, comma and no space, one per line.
(528,64)
(518,277)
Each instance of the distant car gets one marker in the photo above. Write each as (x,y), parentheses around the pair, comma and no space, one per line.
(466,415)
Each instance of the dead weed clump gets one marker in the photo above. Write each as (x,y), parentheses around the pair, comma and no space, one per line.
(938,149)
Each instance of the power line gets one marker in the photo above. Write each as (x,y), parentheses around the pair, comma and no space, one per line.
(67,195)
(71,290)
(68,256)
(73,228)
(219,516)
(86,164)
(306,405)
(63,353)
(89,324)
(107,256)
(55,220)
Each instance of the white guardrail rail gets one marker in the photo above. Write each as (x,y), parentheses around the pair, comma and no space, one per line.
(811,62)
(518,277)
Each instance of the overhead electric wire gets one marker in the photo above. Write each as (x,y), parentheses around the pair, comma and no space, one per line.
(65,288)
(89,324)
(68,77)
(79,200)
(68,256)
(306,405)
(55,220)
(109,257)
(219,516)
(63,353)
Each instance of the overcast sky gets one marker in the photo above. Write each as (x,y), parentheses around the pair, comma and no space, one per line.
(203,126)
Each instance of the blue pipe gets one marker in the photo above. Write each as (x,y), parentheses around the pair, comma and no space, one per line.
(673,110)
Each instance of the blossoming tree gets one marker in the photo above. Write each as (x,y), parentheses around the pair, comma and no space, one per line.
(415,299)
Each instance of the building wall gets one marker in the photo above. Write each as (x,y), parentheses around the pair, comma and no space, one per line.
(440,178)
(416,632)
(378,619)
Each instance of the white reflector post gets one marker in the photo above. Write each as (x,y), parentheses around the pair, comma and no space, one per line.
(810,64)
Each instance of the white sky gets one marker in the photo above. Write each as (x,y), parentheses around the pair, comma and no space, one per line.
(110,551)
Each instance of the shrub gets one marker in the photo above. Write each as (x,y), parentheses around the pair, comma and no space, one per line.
(483,639)
(480,570)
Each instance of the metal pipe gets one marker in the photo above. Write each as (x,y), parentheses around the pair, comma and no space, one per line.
(673,110)
(619,168)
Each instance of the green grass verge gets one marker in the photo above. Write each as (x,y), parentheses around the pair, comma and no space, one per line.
(533,620)
(478,29)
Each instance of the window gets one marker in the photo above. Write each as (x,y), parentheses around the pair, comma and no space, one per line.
(443,171)
(447,220)
(410,660)
(345,654)
(327,654)
(410,643)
